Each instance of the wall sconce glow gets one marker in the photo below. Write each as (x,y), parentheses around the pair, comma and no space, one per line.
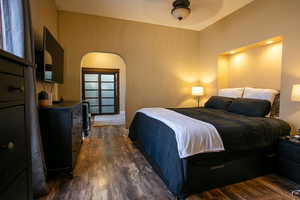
(296,93)
(197,91)
(232,52)
(238,58)
(269,42)
(208,79)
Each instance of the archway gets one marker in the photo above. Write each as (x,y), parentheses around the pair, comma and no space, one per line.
(107,61)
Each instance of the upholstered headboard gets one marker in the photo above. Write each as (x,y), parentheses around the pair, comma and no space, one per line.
(275,107)
(257,93)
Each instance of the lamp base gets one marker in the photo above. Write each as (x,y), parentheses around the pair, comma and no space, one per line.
(198,101)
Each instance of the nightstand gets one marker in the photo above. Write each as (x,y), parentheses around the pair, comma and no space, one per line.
(289,158)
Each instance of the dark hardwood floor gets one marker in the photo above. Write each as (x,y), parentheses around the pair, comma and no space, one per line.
(109,167)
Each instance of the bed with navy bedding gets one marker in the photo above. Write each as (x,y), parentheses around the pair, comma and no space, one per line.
(248,141)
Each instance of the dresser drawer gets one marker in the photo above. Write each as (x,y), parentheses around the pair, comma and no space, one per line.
(13,157)
(11,90)
(18,190)
(6,66)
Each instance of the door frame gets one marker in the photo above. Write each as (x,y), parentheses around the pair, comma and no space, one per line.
(99,71)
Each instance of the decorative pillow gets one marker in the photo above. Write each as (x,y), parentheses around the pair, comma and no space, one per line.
(217,102)
(231,92)
(264,94)
(250,107)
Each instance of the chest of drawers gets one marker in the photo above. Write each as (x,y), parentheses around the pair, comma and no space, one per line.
(15,157)
(61,129)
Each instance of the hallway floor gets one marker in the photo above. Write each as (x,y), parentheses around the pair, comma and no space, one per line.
(111,119)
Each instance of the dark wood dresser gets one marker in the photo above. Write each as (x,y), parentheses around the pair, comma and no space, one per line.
(61,129)
(15,156)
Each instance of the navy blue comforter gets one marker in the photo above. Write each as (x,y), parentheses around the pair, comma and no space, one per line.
(238,132)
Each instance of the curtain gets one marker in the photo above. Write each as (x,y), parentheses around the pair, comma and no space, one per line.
(32,121)
(12,27)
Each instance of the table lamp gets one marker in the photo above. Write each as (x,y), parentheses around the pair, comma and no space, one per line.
(198,91)
(295,93)
(296,97)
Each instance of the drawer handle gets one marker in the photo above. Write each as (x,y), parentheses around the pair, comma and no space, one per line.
(12,89)
(217,167)
(8,146)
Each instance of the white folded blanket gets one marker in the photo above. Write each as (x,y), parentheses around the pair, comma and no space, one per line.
(193,136)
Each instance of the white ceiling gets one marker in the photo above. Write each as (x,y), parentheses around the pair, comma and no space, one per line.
(204,12)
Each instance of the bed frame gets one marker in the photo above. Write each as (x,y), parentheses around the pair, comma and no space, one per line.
(200,172)
(206,173)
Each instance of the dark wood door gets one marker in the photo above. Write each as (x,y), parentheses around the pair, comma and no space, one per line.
(101,88)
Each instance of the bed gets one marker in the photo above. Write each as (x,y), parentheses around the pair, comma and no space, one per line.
(249,144)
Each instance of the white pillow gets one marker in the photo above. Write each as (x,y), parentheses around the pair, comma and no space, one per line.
(264,94)
(231,92)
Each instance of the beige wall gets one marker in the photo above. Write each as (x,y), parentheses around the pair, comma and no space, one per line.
(223,72)
(258,67)
(162,63)
(108,61)
(258,21)
(44,13)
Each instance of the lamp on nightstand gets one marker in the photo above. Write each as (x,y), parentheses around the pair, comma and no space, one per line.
(295,93)
(198,91)
(296,97)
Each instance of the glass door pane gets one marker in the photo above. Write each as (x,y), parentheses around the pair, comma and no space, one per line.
(93,102)
(107,77)
(93,94)
(91,91)
(108,86)
(100,89)
(91,77)
(95,109)
(108,93)
(91,86)
(108,101)
(108,109)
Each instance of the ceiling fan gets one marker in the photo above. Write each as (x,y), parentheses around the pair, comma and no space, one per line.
(181,9)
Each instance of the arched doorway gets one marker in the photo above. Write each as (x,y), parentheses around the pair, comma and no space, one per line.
(104,86)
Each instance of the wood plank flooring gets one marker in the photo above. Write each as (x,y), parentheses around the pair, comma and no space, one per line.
(109,167)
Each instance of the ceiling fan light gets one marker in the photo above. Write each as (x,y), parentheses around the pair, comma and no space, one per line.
(181,13)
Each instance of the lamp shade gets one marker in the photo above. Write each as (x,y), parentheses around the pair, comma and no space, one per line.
(197,91)
(295,93)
